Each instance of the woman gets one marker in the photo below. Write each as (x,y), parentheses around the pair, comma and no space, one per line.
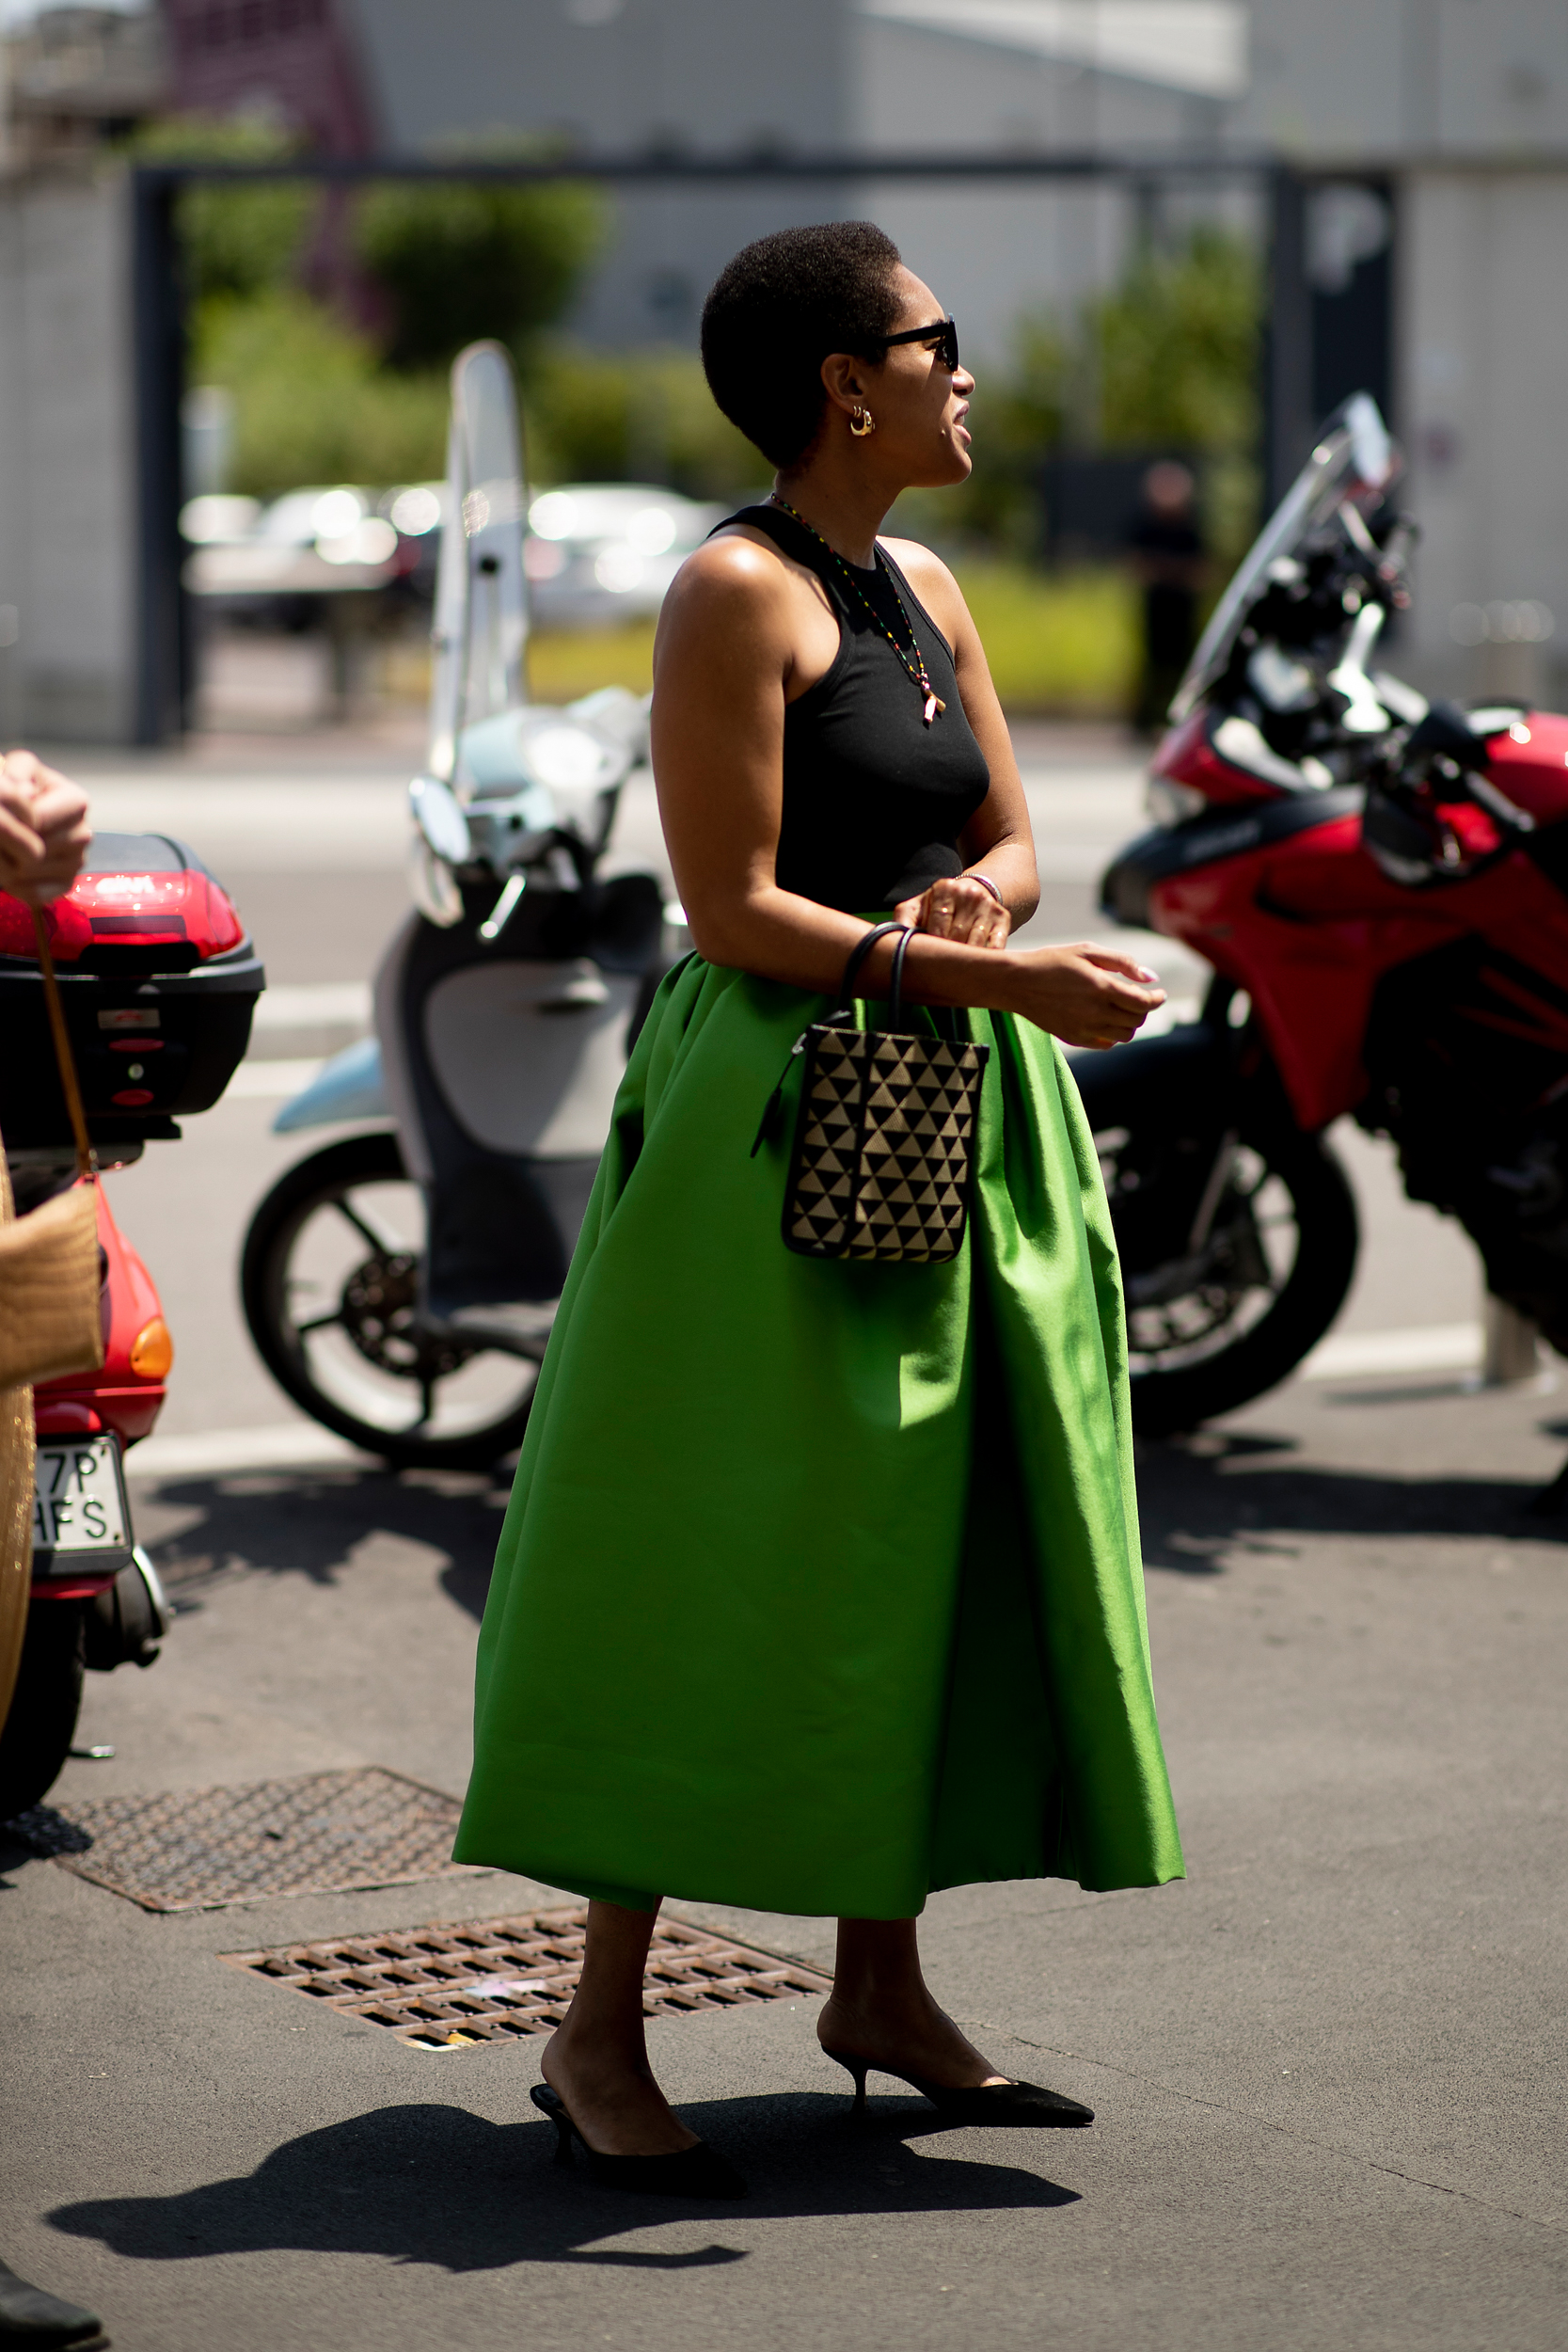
(820,1584)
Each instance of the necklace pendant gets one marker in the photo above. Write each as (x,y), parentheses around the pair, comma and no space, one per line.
(933,704)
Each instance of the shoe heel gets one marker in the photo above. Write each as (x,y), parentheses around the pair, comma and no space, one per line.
(856,2069)
(546,2101)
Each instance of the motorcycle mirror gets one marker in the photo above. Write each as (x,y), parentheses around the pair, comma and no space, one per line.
(439,817)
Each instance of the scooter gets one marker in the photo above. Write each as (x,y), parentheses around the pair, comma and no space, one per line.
(1379,886)
(401,1283)
(158,982)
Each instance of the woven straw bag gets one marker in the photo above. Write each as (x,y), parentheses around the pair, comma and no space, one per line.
(883,1159)
(50,1315)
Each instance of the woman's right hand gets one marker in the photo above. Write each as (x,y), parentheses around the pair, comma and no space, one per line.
(1083,995)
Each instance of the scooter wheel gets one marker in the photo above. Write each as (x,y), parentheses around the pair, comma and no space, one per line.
(42,1722)
(329,1282)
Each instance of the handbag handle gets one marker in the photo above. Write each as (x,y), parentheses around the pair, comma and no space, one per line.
(942,1016)
(86,1163)
(845,1008)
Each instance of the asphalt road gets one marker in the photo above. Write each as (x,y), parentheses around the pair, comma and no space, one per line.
(1327,2068)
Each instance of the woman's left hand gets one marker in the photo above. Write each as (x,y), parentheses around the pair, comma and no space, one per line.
(961,910)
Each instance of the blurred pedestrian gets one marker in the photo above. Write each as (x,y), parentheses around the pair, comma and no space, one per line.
(820,1584)
(1167,561)
(44,838)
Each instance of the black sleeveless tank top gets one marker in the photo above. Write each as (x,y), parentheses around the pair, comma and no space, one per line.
(874,800)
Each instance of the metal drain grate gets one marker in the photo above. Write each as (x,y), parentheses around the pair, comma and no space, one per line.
(448,1987)
(198,1848)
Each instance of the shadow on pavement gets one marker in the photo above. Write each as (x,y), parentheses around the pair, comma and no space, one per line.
(1200,1498)
(436,2184)
(312,1524)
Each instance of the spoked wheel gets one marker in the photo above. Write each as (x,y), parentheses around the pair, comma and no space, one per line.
(1210,1330)
(330,1281)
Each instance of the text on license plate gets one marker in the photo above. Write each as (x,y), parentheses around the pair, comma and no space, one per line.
(79,1498)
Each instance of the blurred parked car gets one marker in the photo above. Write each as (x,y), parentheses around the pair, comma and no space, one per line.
(595,553)
(599,552)
(271,565)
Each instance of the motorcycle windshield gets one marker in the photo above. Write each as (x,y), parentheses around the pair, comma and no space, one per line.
(480,635)
(1354,455)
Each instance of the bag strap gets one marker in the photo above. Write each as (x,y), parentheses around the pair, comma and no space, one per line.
(845,1008)
(86,1163)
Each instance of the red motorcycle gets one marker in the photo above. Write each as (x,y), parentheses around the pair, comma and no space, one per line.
(1379,884)
(158,982)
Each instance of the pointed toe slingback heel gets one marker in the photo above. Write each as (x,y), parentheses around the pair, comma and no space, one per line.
(697,2171)
(1019,2104)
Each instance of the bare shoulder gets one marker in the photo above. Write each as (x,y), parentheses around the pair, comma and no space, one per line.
(733,583)
(933,583)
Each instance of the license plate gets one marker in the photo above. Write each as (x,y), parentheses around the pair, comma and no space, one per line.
(79,1506)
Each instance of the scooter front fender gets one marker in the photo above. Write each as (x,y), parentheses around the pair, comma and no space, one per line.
(349,1085)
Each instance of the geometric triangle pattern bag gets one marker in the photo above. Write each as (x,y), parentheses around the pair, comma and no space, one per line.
(883,1159)
(51,1318)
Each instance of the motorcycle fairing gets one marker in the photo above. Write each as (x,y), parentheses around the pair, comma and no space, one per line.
(1126,889)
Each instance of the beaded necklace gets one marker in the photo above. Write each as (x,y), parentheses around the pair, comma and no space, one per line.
(914,660)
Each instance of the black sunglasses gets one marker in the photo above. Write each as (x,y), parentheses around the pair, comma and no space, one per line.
(943,333)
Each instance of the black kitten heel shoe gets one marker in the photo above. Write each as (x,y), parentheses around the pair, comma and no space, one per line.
(698,2172)
(1019,2104)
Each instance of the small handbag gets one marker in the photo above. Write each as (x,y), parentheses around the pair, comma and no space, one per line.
(883,1158)
(51,1320)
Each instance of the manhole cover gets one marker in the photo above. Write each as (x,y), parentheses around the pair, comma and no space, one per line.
(196,1848)
(448,1987)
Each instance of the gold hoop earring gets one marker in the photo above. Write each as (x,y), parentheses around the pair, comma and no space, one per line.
(861,422)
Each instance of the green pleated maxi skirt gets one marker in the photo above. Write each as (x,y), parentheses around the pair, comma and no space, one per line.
(820,1584)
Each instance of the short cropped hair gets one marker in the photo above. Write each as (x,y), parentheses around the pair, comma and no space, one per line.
(778,310)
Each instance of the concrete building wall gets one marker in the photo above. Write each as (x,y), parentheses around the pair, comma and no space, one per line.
(992,250)
(67,460)
(1484,339)
(1352,80)
(708,76)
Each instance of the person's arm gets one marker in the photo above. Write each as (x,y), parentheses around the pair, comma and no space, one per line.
(44,832)
(724,661)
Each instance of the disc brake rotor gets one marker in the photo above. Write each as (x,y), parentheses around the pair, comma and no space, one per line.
(379,1313)
(1236,1267)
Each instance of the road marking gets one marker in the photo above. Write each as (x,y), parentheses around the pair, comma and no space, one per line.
(213,1453)
(1361,1355)
(300,1445)
(328,1004)
(266,1081)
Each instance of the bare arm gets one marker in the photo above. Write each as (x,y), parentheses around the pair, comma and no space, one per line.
(726,661)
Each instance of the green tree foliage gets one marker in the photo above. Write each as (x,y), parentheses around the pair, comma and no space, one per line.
(1174,348)
(460,260)
(1166,360)
(319,400)
(643,416)
(236,241)
(312,401)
